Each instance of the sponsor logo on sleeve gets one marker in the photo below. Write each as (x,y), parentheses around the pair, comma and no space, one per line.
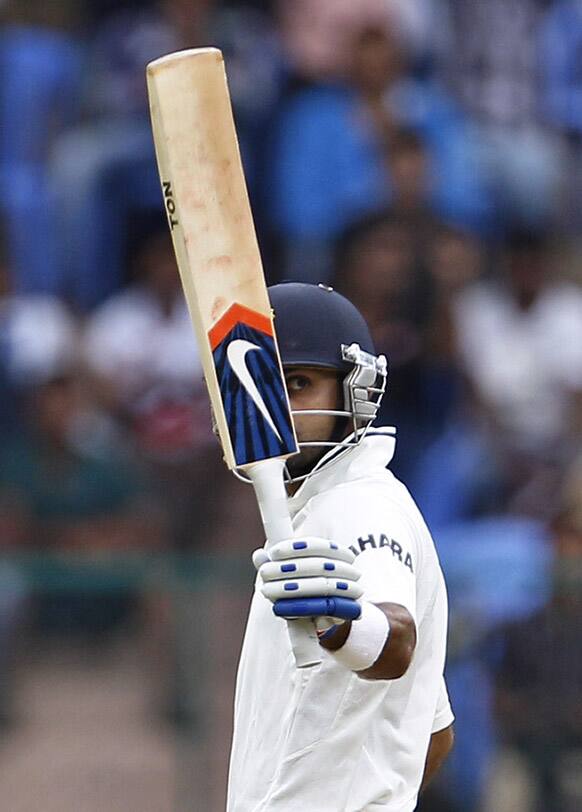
(370,542)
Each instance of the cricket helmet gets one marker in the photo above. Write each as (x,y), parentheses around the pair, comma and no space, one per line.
(312,323)
(318,327)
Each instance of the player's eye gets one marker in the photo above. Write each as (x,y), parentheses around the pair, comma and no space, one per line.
(297,383)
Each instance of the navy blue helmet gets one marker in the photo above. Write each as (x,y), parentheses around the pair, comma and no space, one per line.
(317,327)
(312,322)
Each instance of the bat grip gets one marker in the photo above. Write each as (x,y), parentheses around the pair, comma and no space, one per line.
(267,479)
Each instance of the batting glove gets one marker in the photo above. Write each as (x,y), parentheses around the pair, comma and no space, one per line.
(310,577)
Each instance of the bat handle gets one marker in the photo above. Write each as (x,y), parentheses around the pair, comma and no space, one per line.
(268,482)
(306,649)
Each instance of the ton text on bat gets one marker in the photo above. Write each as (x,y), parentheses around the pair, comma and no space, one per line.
(170,203)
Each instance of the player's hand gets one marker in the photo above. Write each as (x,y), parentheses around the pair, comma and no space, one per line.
(310,577)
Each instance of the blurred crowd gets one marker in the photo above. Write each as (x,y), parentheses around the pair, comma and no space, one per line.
(422,156)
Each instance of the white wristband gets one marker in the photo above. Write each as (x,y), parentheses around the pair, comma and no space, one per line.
(366,640)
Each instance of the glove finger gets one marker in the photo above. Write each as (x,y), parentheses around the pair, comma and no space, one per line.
(338,608)
(308,548)
(260,557)
(308,568)
(311,587)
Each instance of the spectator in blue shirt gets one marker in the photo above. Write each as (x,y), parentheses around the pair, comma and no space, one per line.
(332,143)
(40,65)
(561,91)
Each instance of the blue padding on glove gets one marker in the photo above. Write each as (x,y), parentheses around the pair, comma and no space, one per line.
(345,608)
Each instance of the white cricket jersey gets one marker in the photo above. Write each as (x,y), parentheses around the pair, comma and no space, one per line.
(323,739)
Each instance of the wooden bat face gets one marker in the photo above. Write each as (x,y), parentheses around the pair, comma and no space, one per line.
(218,257)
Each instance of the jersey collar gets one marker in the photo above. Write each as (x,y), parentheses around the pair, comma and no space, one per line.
(341,465)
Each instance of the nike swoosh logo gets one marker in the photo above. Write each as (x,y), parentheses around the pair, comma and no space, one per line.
(236,354)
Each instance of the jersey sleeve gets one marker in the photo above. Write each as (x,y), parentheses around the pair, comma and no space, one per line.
(443,716)
(385,539)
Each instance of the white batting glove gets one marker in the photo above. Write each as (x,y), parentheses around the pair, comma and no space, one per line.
(310,577)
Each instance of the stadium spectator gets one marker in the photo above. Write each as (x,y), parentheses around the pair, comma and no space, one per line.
(139,349)
(404,269)
(16,360)
(492,64)
(316,33)
(104,169)
(497,571)
(412,180)
(454,258)
(139,346)
(520,346)
(68,497)
(560,40)
(41,62)
(377,270)
(538,690)
(60,496)
(560,35)
(330,147)
(28,354)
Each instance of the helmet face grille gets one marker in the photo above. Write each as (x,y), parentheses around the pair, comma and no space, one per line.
(365,385)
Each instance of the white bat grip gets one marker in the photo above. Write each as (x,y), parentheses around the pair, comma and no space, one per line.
(267,479)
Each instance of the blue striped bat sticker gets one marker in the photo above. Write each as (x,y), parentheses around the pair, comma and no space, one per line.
(251,386)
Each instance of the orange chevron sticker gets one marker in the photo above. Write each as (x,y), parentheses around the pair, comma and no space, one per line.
(238,313)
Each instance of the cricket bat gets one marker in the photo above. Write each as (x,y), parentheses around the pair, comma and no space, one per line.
(218,258)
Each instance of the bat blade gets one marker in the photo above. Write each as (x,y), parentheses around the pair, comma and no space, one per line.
(220,266)
(218,257)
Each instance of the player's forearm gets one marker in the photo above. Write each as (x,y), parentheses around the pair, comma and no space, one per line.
(398,649)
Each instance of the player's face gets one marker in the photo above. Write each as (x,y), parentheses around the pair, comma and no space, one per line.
(311,389)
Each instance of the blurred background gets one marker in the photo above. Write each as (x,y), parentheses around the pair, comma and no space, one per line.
(425,158)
